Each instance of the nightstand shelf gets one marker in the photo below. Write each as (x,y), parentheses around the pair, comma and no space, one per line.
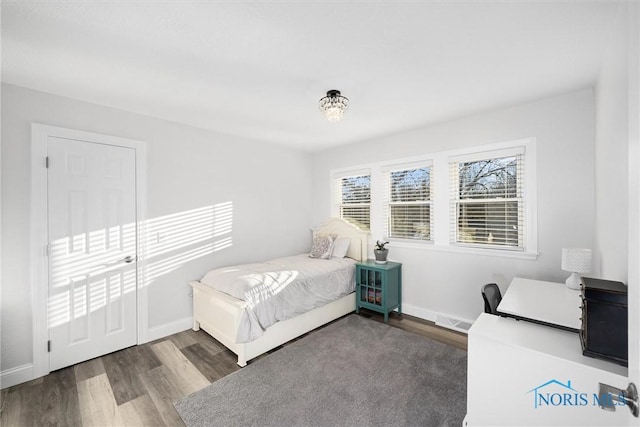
(379,287)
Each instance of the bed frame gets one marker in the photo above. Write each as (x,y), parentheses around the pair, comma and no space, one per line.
(219,314)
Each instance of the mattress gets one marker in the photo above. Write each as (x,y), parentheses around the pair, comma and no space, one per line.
(282,288)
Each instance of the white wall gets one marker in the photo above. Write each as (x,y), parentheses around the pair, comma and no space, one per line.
(612,139)
(617,96)
(444,282)
(269,187)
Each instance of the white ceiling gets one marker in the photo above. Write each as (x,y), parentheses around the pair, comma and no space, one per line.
(258,69)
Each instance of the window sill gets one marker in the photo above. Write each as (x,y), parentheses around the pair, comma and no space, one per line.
(430,246)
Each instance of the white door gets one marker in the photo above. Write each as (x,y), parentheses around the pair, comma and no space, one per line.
(92,250)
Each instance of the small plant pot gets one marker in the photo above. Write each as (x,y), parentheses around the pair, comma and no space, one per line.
(381,255)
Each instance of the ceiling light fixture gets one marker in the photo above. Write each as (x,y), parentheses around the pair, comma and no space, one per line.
(333,105)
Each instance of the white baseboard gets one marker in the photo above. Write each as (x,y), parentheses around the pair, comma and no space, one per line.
(420,312)
(170,328)
(17,375)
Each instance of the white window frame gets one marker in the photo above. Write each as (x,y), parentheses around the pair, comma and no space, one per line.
(440,205)
(336,189)
(387,203)
(527,147)
(455,201)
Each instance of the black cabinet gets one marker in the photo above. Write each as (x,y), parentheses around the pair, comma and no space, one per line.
(604,320)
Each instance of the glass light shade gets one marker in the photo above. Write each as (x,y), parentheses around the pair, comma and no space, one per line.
(334,105)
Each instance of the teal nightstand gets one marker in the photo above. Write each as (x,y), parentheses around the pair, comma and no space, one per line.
(379,287)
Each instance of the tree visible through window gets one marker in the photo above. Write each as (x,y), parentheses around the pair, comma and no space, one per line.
(355,200)
(488,202)
(409,204)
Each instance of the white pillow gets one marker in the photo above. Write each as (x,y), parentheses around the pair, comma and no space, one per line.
(322,246)
(341,247)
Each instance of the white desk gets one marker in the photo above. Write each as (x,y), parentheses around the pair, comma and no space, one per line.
(548,303)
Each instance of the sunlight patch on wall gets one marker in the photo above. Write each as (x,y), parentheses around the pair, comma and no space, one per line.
(176,239)
(167,264)
(88,272)
(172,232)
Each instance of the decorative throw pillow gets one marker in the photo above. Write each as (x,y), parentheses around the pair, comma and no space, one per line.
(341,247)
(322,246)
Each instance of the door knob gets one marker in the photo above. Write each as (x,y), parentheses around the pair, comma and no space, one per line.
(128,259)
(607,394)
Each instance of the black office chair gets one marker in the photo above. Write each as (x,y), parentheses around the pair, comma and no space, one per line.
(492,297)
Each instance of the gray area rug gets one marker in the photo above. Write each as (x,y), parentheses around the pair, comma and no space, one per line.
(354,372)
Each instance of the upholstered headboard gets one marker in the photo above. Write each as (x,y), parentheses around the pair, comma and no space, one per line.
(359,238)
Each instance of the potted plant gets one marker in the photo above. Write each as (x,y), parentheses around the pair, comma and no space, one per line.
(381,252)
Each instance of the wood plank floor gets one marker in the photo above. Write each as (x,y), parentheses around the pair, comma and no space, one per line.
(138,385)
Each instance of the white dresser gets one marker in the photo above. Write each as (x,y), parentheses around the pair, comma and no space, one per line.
(522,373)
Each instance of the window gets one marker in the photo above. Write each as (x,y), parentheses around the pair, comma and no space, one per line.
(355,200)
(408,203)
(487,200)
(478,200)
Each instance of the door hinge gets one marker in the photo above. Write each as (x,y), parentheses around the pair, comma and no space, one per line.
(46,162)
(49,346)
(47,249)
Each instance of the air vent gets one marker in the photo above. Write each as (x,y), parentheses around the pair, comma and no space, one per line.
(450,322)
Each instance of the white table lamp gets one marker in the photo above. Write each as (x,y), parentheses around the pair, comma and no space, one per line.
(575,260)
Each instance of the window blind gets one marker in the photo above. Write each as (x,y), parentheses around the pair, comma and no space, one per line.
(487,201)
(355,200)
(408,203)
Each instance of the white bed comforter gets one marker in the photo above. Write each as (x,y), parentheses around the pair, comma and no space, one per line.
(282,288)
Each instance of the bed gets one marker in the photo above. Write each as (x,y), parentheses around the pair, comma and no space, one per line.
(224,316)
